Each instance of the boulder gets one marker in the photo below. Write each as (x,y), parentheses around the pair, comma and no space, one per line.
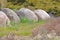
(27,13)
(11,14)
(4,20)
(41,14)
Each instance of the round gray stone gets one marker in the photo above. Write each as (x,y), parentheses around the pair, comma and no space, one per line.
(4,20)
(41,14)
(27,13)
(11,14)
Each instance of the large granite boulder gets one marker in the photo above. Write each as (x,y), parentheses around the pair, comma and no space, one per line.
(11,14)
(41,14)
(4,20)
(27,13)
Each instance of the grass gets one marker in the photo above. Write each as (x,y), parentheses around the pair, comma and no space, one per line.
(24,28)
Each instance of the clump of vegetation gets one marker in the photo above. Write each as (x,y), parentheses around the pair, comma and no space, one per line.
(53,5)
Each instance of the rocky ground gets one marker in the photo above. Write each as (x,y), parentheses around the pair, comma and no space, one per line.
(48,31)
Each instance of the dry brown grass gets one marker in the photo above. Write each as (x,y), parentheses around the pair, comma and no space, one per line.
(50,25)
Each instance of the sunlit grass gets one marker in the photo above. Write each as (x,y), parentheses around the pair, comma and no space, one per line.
(23,28)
